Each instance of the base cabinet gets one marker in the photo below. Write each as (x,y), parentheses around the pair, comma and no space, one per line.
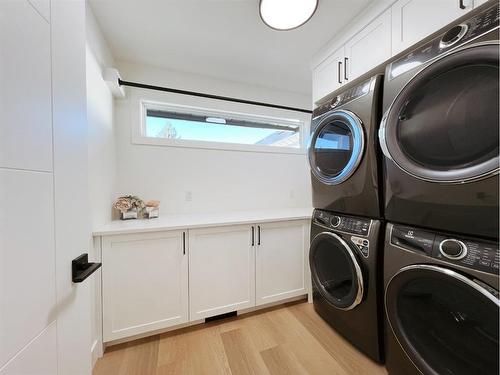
(221,270)
(153,281)
(145,283)
(281,261)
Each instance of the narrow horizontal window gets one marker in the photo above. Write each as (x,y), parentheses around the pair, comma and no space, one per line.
(212,127)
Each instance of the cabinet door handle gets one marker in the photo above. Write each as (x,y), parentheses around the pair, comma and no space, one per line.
(253,235)
(258,235)
(345,68)
(184,243)
(340,72)
(461,4)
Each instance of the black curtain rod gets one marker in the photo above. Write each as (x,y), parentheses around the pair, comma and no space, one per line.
(209,96)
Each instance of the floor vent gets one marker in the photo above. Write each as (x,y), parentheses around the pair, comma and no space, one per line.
(221,316)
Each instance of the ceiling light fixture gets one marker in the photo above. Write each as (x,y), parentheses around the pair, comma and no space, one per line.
(286,14)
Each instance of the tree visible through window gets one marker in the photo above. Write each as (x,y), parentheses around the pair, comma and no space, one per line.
(196,127)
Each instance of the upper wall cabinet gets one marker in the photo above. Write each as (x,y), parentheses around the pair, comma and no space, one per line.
(328,76)
(352,60)
(376,38)
(25,81)
(413,20)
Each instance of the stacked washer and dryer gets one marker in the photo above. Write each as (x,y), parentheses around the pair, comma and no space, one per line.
(346,229)
(404,249)
(439,135)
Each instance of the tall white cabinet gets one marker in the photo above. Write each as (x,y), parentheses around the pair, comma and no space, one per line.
(221,270)
(44,317)
(146,279)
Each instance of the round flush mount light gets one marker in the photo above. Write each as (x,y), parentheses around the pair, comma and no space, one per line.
(286,14)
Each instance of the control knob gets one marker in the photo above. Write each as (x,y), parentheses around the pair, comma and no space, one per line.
(335,221)
(453,249)
(453,35)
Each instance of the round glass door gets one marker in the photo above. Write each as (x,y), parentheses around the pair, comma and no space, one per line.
(445,322)
(443,125)
(335,271)
(336,147)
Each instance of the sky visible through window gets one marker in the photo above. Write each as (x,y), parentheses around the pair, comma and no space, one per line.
(158,127)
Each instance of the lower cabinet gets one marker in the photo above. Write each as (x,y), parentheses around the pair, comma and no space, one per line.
(281,260)
(145,277)
(221,270)
(145,283)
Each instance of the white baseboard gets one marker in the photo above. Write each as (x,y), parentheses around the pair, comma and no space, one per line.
(96,351)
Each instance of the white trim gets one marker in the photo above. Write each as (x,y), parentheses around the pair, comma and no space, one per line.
(138,129)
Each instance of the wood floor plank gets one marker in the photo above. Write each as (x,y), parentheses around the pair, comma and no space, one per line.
(282,362)
(339,348)
(291,339)
(309,352)
(243,358)
(198,351)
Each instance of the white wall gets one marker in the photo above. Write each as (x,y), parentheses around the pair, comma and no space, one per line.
(218,180)
(101,154)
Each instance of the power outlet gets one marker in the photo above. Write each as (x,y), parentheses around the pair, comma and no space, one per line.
(188,196)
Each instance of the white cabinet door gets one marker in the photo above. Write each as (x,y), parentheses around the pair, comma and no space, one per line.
(369,48)
(479,2)
(221,270)
(413,20)
(145,283)
(281,261)
(328,76)
(25,94)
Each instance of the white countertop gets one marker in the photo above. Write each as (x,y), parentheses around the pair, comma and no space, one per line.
(189,221)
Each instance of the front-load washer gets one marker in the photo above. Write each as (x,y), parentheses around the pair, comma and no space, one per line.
(343,151)
(345,270)
(440,130)
(441,302)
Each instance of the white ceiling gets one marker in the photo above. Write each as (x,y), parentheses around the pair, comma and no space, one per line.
(220,38)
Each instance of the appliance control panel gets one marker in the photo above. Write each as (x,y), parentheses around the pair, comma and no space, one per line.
(345,97)
(472,253)
(455,36)
(341,223)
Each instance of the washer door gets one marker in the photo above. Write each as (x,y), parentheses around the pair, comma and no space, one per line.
(335,271)
(336,147)
(443,125)
(445,322)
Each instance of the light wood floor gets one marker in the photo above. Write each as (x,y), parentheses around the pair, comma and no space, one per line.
(289,339)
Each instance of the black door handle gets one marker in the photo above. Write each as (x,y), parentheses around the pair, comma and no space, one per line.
(258,235)
(461,4)
(81,268)
(253,235)
(345,68)
(340,74)
(183,243)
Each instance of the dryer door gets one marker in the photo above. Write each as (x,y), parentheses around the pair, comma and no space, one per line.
(445,322)
(443,125)
(335,271)
(336,147)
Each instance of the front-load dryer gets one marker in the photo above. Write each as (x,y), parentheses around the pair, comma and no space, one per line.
(344,260)
(440,130)
(343,151)
(441,302)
